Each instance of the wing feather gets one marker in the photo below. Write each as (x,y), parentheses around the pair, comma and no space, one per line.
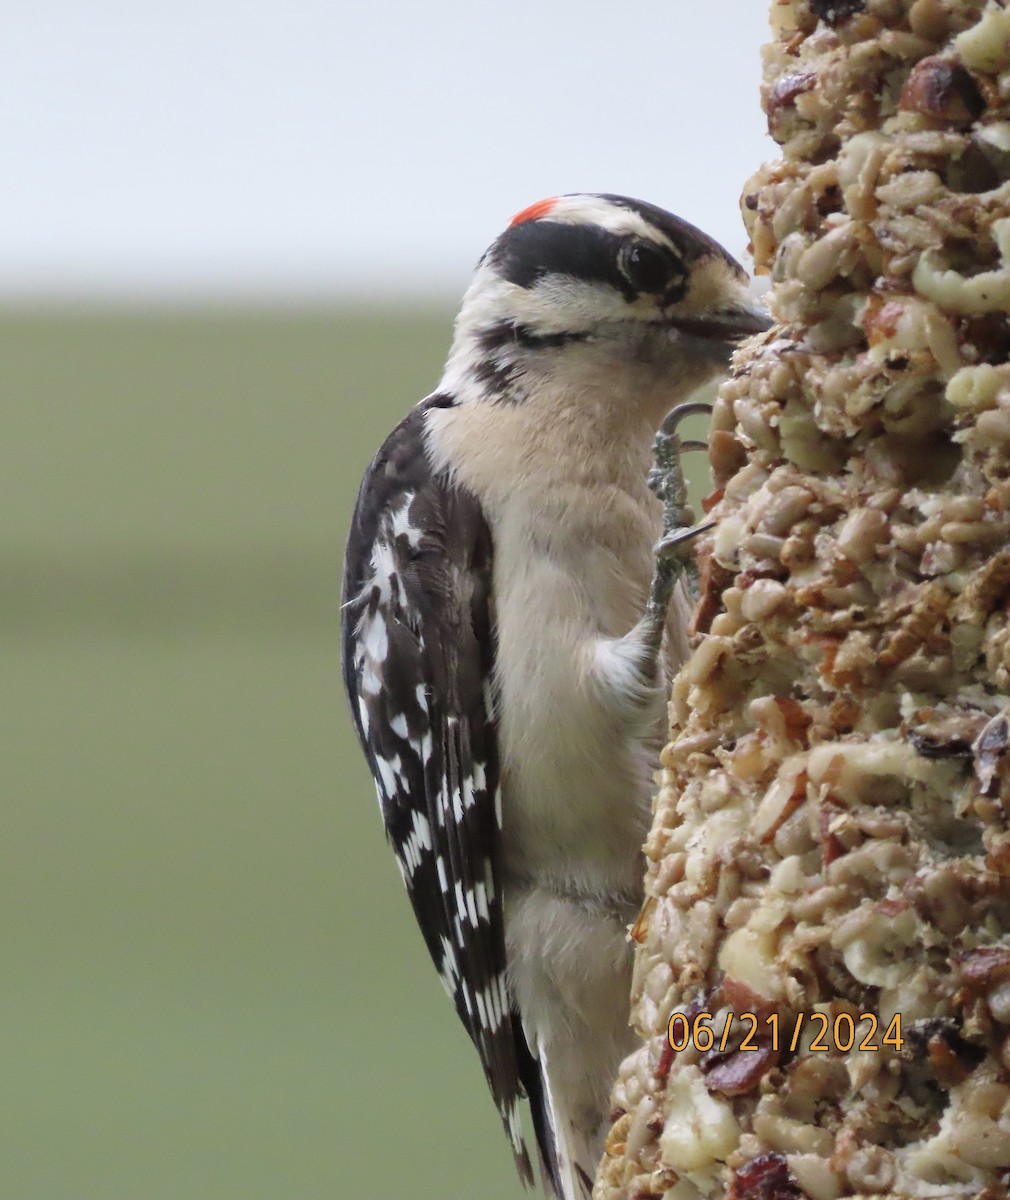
(418,657)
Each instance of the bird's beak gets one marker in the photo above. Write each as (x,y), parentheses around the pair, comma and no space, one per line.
(725,325)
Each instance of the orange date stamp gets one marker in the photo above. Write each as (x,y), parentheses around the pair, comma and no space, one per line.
(842,1033)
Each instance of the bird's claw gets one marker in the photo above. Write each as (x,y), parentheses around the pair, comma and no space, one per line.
(672,546)
(666,479)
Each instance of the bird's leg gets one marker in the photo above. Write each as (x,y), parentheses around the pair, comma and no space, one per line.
(628,668)
(674,553)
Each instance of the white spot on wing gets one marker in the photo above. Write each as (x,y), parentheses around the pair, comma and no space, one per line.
(371,682)
(492,1006)
(383,570)
(449,973)
(422,830)
(389,774)
(376,639)
(515,1132)
(400,524)
(480,893)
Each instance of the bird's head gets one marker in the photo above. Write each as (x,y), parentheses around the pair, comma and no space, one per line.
(604,284)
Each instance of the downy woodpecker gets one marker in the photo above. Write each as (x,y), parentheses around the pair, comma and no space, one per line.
(509,637)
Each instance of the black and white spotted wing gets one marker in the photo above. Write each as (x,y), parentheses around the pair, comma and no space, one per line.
(418,650)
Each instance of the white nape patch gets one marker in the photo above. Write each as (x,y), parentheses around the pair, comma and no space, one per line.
(399,522)
(398,724)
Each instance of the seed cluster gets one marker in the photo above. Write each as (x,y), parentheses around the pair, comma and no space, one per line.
(832,832)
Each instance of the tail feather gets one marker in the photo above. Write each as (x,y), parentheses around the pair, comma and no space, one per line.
(535,1087)
(571,1167)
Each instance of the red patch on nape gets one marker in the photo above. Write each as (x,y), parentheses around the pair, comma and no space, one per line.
(534,212)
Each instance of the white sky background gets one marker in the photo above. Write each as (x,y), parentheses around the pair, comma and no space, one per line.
(253,149)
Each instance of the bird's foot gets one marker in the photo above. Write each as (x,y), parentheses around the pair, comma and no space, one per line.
(674,553)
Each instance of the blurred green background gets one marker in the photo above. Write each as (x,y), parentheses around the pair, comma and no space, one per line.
(212,984)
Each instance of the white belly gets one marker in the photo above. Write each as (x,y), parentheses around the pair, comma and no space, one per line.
(576,781)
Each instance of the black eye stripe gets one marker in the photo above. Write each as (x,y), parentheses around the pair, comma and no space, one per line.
(526,253)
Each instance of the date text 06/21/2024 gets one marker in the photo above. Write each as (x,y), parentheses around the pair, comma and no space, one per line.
(843,1033)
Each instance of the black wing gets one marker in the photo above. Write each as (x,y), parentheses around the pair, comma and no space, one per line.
(418,655)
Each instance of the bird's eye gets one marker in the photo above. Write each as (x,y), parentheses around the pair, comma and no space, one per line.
(646,267)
